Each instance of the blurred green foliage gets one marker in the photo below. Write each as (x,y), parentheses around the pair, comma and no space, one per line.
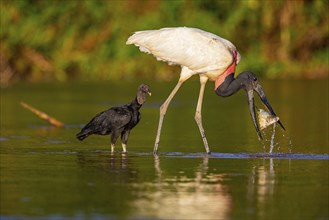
(85,39)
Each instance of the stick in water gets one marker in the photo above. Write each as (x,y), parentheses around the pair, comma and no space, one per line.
(43,115)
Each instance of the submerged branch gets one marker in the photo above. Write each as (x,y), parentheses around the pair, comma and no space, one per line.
(43,115)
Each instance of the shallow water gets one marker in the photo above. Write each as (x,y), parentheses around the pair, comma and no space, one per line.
(47,174)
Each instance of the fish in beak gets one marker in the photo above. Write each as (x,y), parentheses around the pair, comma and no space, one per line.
(250,88)
(265,119)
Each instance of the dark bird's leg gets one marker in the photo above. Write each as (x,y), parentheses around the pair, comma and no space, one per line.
(124,140)
(114,138)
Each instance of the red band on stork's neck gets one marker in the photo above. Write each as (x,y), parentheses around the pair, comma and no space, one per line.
(230,70)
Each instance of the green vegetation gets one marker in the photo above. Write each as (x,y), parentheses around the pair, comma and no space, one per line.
(85,39)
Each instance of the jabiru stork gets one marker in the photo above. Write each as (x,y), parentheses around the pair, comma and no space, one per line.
(205,54)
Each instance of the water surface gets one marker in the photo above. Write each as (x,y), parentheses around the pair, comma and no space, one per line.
(47,174)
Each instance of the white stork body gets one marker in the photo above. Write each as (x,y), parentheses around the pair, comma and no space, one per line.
(196,51)
(199,51)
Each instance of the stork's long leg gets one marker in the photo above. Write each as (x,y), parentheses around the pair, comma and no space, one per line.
(185,74)
(198,115)
(163,110)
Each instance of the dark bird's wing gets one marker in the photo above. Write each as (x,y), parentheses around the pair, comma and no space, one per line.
(106,122)
(118,118)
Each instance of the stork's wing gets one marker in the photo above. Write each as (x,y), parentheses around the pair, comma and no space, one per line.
(198,50)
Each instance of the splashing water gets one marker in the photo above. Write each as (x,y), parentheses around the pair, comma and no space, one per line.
(269,139)
(265,120)
(272,138)
(276,140)
(287,138)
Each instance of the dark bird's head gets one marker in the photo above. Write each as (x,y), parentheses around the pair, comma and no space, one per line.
(143,91)
(250,84)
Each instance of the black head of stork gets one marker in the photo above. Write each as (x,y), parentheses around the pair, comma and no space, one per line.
(248,82)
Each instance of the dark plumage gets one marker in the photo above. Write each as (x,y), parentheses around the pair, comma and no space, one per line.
(117,120)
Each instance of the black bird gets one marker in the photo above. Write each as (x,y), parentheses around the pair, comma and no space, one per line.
(117,120)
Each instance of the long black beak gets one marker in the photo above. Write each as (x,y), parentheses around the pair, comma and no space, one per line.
(251,102)
(250,94)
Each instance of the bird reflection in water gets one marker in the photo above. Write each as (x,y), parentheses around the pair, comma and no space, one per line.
(203,196)
(261,184)
(111,162)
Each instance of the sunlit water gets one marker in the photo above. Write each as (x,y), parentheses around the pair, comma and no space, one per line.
(47,174)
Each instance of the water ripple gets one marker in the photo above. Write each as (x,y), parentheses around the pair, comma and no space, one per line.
(293,156)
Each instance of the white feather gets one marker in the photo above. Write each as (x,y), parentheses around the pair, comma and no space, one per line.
(198,50)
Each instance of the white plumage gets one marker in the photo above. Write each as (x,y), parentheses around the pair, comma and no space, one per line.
(198,50)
